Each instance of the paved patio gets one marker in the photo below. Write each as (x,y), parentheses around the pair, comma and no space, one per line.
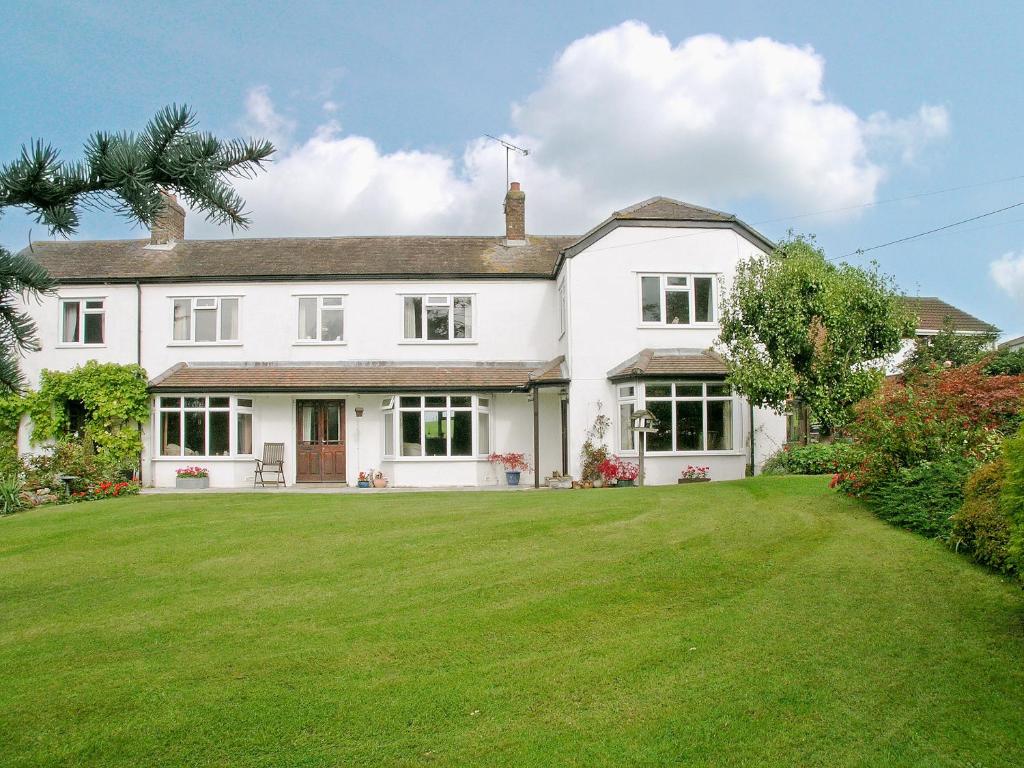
(341,488)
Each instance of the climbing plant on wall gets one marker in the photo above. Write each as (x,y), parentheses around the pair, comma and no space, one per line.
(114,400)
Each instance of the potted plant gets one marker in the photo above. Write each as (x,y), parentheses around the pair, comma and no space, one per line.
(192,478)
(627,473)
(694,474)
(607,471)
(514,463)
(379,480)
(363,481)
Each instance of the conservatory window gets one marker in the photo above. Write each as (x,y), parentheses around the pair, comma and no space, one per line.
(205,426)
(436,425)
(691,416)
(627,404)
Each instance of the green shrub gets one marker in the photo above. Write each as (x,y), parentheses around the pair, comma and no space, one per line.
(69,458)
(921,498)
(1006,363)
(1012,497)
(10,494)
(814,459)
(981,528)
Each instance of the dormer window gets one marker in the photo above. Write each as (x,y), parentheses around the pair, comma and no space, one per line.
(677,299)
(81,322)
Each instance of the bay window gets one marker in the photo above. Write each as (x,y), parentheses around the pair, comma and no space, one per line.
(438,317)
(677,299)
(436,425)
(82,321)
(691,416)
(205,319)
(321,319)
(627,404)
(205,426)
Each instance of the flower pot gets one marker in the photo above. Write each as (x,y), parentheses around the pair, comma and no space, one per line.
(512,477)
(380,482)
(687,480)
(621,483)
(192,483)
(363,483)
(599,482)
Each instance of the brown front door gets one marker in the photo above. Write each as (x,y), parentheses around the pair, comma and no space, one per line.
(320,441)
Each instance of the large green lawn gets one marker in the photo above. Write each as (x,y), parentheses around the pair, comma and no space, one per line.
(766,622)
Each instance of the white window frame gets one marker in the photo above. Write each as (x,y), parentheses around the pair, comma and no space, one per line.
(83,310)
(627,394)
(690,288)
(343,307)
(704,398)
(190,341)
(236,406)
(563,310)
(478,404)
(441,299)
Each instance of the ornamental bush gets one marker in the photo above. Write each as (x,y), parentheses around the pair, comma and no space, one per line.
(1012,497)
(814,459)
(981,527)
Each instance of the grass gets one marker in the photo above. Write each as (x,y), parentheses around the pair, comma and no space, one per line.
(756,623)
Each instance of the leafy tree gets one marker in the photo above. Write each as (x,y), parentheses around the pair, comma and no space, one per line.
(947,348)
(123,173)
(796,326)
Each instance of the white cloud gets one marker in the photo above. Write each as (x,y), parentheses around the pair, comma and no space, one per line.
(262,119)
(622,115)
(1008,273)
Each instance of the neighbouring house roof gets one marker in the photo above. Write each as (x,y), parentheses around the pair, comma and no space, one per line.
(295,258)
(1013,343)
(650,363)
(932,313)
(363,376)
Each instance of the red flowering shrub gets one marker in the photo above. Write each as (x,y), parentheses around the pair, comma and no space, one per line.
(105,490)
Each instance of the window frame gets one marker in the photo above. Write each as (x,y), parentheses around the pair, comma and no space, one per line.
(299,341)
(449,298)
(83,310)
(664,288)
(563,310)
(623,399)
(392,404)
(234,409)
(218,298)
(704,398)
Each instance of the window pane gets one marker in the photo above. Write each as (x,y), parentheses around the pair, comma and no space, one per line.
(462,433)
(310,424)
(70,335)
(720,425)
(626,391)
(410,402)
(689,425)
(650,289)
(333,301)
(170,402)
(411,433)
(703,300)
(662,439)
(195,402)
(437,323)
(718,390)
(435,427)
(413,317)
(462,402)
(463,317)
(206,324)
(307,318)
(677,307)
(244,428)
(626,427)
(333,423)
(229,319)
(677,280)
(220,402)
(332,325)
(195,433)
(389,433)
(689,390)
(483,432)
(93,322)
(220,435)
(244,402)
(170,433)
(484,402)
(94,304)
(182,308)
(659,390)
(437,402)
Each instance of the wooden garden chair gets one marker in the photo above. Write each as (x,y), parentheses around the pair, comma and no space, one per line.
(272,461)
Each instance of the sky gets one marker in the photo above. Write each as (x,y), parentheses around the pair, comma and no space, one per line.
(859,123)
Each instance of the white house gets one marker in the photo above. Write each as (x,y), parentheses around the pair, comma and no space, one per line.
(417,356)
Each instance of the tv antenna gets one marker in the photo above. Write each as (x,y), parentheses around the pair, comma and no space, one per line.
(509,149)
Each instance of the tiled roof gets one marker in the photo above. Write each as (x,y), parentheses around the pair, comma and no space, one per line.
(373,376)
(552,372)
(932,312)
(297,257)
(665,208)
(1013,343)
(650,363)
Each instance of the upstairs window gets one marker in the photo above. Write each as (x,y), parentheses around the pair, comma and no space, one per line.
(206,319)
(81,321)
(438,318)
(677,299)
(322,319)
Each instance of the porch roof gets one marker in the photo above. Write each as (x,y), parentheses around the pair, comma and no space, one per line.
(651,363)
(356,376)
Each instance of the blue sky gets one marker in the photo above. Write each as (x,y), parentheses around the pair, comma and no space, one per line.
(767,113)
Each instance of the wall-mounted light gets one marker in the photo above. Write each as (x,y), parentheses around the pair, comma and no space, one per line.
(359,412)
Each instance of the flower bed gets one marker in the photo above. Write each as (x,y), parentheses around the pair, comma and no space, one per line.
(106,490)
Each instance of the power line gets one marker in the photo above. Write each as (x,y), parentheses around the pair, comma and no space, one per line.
(861,251)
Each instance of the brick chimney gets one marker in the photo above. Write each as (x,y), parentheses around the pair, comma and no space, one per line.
(168,226)
(515,215)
